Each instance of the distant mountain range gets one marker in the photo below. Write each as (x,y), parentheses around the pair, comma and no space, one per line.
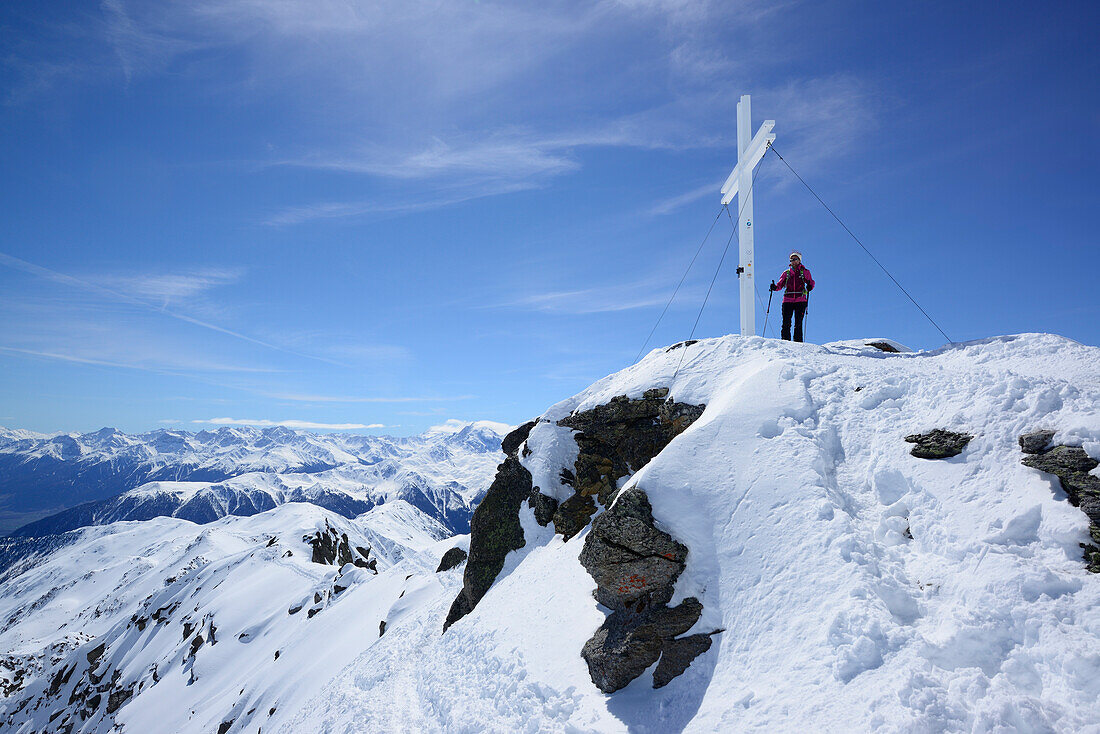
(53,483)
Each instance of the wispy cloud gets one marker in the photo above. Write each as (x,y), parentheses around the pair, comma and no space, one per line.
(313,398)
(113,294)
(643,293)
(167,287)
(469,96)
(424,202)
(139,359)
(139,49)
(502,154)
(667,206)
(289,424)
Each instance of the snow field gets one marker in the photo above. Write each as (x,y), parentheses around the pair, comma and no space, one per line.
(860,588)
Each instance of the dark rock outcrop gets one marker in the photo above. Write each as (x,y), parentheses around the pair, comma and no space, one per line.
(513,440)
(329,546)
(883,346)
(572,516)
(1035,442)
(495,531)
(615,440)
(450,559)
(635,566)
(1072,466)
(544,507)
(632,562)
(938,444)
(620,437)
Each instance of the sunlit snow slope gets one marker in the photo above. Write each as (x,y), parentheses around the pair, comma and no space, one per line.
(797,497)
(859,588)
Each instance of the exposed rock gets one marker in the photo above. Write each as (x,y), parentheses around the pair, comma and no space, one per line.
(677,345)
(195,645)
(450,559)
(1072,466)
(620,437)
(543,505)
(677,656)
(620,652)
(225,726)
(382,628)
(572,516)
(495,531)
(95,654)
(629,558)
(615,440)
(635,566)
(881,346)
(1092,552)
(512,441)
(119,696)
(329,546)
(938,444)
(1035,442)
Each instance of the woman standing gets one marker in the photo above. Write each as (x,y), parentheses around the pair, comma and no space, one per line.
(798,283)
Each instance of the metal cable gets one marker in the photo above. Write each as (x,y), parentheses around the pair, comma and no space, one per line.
(858,242)
(744,201)
(677,290)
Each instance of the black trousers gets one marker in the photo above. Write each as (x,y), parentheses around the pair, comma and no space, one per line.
(798,310)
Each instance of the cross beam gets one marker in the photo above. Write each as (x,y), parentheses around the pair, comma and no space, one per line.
(739,183)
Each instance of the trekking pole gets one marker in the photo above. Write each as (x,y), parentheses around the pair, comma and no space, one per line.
(804,315)
(771,292)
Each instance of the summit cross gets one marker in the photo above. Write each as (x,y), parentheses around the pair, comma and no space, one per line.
(750,149)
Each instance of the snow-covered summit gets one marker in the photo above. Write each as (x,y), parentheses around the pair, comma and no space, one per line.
(842,583)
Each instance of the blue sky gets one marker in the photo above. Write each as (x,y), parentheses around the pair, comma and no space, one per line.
(389,214)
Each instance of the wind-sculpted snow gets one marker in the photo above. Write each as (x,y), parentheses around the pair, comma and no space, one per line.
(241,471)
(856,587)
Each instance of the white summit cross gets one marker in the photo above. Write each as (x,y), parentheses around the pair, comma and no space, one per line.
(749,153)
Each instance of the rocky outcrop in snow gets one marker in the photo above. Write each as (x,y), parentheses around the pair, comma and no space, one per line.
(621,437)
(615,440)
(938,444)
(1072,466)
(451,559)
(495,529)
(332,547)
(635,566)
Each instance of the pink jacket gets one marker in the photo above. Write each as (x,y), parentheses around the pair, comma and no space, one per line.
(798,282)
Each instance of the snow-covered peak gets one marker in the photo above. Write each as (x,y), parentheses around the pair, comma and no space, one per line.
(844,583)
(46,473)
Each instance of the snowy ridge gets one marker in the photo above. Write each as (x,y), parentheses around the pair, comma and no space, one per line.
(207,475)
(148,591)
